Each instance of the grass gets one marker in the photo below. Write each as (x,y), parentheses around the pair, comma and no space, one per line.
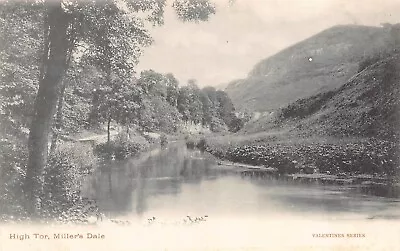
(329,155)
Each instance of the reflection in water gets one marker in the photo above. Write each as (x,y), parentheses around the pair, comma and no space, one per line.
(176,180)
(119,187)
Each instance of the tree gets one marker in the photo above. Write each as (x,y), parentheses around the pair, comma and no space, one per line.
(212,107)
(54,66)
(153,83)
(195,104)
(183,103)
(206,108)
(172,90)
(119,100)
(159,110)
(226,110)
(194,10)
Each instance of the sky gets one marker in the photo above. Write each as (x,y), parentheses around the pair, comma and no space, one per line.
(240,35)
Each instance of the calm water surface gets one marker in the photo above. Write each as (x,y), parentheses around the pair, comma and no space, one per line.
(176,182)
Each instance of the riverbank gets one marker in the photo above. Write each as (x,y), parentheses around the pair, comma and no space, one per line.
(364,161)
(76,157)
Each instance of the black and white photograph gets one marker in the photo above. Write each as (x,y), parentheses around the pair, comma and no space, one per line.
(199,125)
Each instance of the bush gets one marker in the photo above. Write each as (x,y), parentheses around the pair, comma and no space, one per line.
(117,149)
(63,177)
(13,159)
(202,144)
(163,140)
(190,142)
(305,107)
(62,181)
(236,124)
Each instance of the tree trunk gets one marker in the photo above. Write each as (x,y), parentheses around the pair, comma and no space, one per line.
(127,131)
(60,104)
(45,105)
(45,54)
(58,122)
(108,76)
(108,130)
(110,183)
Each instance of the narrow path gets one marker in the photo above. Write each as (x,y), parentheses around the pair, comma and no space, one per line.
(98,138)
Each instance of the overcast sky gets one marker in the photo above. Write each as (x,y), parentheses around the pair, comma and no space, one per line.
(238,36)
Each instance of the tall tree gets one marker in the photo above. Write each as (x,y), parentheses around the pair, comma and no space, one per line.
(153,83)
(195,104)
(226,109)
(54,66)
(172,90)
(183,103)
(207,108)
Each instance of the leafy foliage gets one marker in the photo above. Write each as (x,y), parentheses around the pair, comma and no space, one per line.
(194,10)
(117,149)
(155,102)
(20,46)
(64,174)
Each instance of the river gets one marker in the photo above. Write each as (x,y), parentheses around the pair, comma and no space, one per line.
(175,182)
(151,202)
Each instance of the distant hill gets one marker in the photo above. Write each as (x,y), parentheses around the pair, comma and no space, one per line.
(367,105)
(318,64)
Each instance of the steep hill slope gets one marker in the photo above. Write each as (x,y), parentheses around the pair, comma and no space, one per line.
(368,105)
(320,63)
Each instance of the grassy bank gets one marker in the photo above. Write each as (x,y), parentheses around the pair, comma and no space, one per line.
(348,156)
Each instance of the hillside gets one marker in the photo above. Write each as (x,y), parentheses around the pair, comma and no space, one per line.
(365,106)
(319,63)
(346,132)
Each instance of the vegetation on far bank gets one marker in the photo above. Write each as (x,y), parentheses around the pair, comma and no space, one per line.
(345,157)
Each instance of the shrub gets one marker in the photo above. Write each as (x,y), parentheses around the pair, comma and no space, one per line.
(202,144)
(119,149)
(236,124)
(305,107)
(13,158)
(63,177)
(163,140)
(190,144)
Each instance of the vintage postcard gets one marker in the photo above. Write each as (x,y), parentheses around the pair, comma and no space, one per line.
(199,125)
